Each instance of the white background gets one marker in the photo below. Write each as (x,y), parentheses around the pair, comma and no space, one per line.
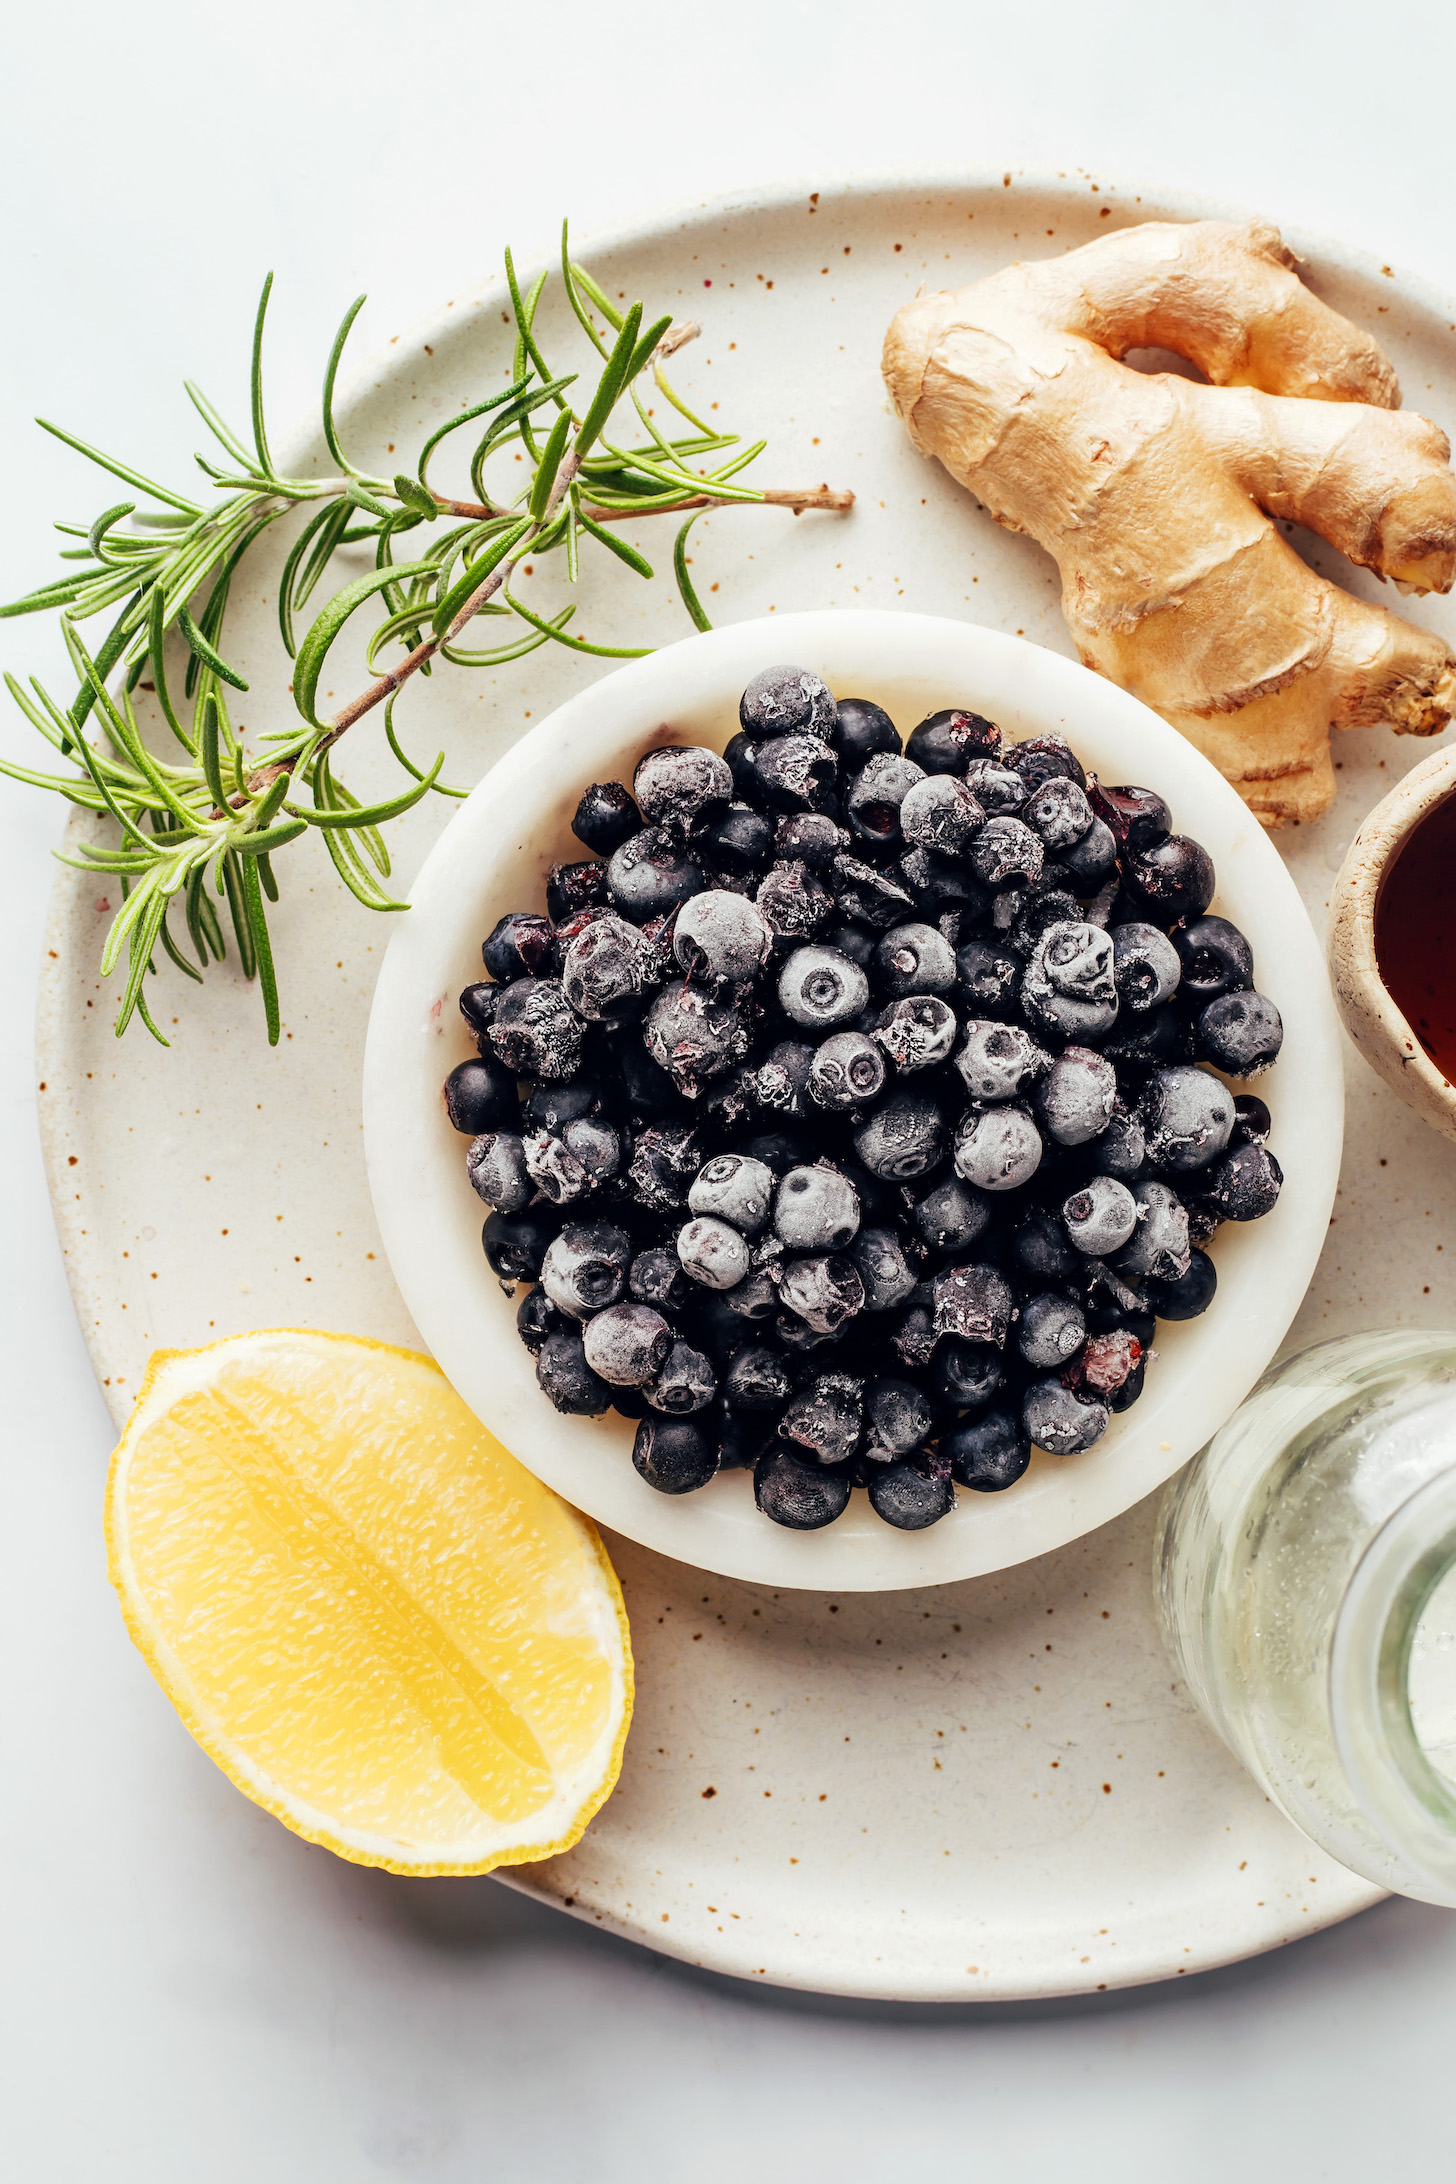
(190,1992)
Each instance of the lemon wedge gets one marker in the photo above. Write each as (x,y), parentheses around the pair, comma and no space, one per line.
(376,1621)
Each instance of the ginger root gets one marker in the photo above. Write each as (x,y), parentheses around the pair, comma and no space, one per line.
(1158,496)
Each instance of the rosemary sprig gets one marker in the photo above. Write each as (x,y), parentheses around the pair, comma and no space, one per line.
(205,823)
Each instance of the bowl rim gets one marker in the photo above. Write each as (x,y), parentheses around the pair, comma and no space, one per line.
(415,1161)
(1377,1026)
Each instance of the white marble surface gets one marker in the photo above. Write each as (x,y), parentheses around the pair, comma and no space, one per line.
(189,1991)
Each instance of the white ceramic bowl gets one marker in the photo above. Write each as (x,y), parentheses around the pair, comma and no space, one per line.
(494,857)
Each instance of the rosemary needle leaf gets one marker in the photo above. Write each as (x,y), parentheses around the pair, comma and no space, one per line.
(207,653)
(618,546)
(260,437)
(331,374)
(689,597)
(262,946)
(314,649)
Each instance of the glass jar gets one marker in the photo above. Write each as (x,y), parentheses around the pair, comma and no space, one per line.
(1306,1570)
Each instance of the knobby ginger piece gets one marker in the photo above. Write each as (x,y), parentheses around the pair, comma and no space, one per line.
(1158,497)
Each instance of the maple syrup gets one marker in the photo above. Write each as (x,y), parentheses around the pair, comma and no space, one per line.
(1415,932)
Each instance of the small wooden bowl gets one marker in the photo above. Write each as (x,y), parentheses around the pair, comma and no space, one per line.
(1370,1016)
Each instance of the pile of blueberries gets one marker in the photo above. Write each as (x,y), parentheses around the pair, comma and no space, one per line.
(870,1119)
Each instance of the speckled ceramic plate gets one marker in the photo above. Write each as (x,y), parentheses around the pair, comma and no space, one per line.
(987,1789)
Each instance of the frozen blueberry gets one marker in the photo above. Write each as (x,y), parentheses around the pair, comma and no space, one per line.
(1100,1216)
(823,1422)
(554,1105)
(711,1252)
(862,732)
(563,1374)
(1122,1148)
(573,888)
(988,1454)
(758,1379)
(916,1032)
(1159,1243)
(738,840)
(1068,989)
(912,1335)
(1215,957)
(596,1144)
(879,1261)
(477,1005)
(1040,1248)
(1006,854)
(952,1216)
(825,1291)
(848,1071)
(605,818)
(1075,1099)
(794,903)
(999,792)
(535,1031)
(1039,759)
(946,743)
(481,1095)
(673,1455)
(678,785)
(743,1436)
(974,1302)
(651,873)
(793,773)
(665,1158)
(734,1189)
(656,1277)
(1187,1116)
(941,886)
(965,1375)
(1139,1045)
(694,1035)
(816,1209)
(519,947)
(999,1061)
(902,1138)
(515,1244)
(684,1383)
(802,1496)
(585,1267)
(809,837)
(1145,966)
(1105,1364)
(787,1146)
(912,1495)
(496,1166)
(781,1080)
(940,813)
(1138,818)
(1059,812)
(1050,1331)
(627,1344)
(536,1318)
(1174,879)
(1088,863)
(821,989)
(989,975)
(915,959)
(1252,1121)
(998,1149)
(874,795)
(1059,1420)
(610,970)
(1245,1184)
(1187,1295)
(721,937)
(1242,1033)
(897,1419)
(783,701)
(868,896)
